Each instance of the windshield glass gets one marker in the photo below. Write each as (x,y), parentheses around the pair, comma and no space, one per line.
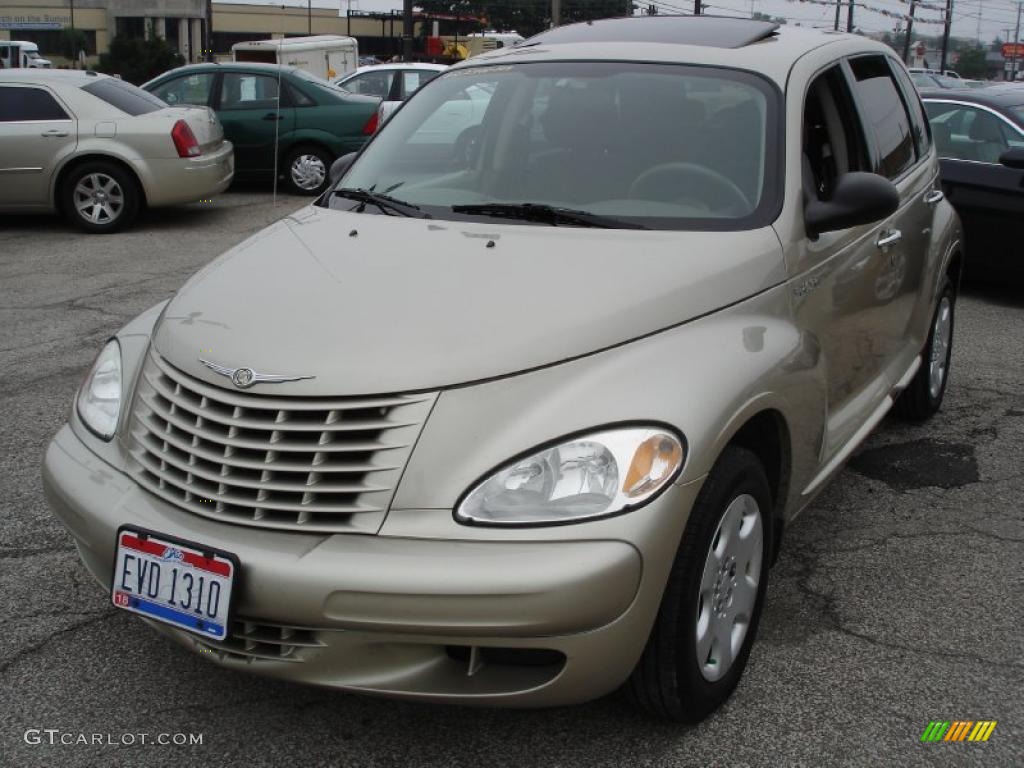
(658,146)
(124,96)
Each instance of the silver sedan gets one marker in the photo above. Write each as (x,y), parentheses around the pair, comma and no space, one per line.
(98,149)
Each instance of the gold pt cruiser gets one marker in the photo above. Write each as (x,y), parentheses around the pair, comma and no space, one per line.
(518,412)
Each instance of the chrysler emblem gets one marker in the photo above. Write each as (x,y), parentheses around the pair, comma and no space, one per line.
(243,378)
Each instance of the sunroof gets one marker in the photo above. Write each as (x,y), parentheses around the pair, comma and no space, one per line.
(713,31)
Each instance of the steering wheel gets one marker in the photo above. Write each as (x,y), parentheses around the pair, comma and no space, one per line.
(689,181)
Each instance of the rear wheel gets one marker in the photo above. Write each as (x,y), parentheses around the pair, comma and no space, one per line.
(100,197)
(306,169)
(923,397)
(708,618)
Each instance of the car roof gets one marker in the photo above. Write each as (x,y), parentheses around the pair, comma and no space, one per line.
(72,77)
(998,96)
(756,46)
(400,65)
(233,65)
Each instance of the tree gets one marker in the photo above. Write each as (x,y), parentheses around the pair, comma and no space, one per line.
(972,63)
(71,42)
(138,60)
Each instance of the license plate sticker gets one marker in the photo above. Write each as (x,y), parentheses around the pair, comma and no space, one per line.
(177,583)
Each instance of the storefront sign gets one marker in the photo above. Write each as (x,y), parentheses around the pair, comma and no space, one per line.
(34,21)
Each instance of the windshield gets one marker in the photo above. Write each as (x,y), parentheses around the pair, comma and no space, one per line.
(124,96)
(657,146)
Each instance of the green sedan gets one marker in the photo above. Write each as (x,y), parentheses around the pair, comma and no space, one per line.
(311,121)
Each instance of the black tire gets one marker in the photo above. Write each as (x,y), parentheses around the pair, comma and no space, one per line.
(668,682)
(317,168)
(920,400)
(100,178)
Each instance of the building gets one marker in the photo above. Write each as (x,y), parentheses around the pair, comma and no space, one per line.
(183,24)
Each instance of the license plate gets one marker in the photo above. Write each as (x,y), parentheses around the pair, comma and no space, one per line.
(180,583)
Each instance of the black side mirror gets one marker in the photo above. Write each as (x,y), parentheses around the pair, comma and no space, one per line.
(340,166)
(1013,158)
(858,198)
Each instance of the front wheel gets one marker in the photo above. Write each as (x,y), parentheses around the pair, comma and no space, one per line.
(306,170)
(923,397)
(709,613)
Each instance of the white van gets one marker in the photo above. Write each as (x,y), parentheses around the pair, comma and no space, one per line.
(482,42)
(21,54)
(327,56)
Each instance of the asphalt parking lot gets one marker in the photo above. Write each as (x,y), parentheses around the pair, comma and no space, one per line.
(898,598)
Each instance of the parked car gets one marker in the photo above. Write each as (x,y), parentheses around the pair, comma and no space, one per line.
(935,80)
(527,429)
(980,138)
(391,83)
(275,114)
(98,149)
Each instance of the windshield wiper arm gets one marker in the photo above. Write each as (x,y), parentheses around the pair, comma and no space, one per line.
(545,213)
(382,201)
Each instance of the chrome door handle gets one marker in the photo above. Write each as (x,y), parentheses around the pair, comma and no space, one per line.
(888,237)
(933,197)
(54,132)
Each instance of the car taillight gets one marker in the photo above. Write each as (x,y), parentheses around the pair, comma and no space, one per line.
(184,140)
(371,125)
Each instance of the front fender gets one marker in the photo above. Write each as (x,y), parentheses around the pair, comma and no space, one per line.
(706,378)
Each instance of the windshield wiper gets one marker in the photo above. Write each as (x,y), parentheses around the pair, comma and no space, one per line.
(545,213)
(382,201)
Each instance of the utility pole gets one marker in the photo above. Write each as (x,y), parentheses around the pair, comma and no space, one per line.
(839,8)
(945,34)
(696,7)
(1016,41)
(208,54)
(849,16)
(556,12)
(309,15)
(407,30)
(910,28)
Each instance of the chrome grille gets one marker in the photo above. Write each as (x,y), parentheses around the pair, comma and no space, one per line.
(300,463)
(250,641)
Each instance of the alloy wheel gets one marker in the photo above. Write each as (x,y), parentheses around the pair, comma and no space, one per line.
(729,587)
(942,333)
(98,198)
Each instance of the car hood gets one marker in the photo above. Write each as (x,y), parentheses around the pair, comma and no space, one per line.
(377,304)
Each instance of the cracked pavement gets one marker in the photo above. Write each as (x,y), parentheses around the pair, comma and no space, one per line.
(898,597)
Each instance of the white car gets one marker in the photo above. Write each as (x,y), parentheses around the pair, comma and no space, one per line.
(391,83)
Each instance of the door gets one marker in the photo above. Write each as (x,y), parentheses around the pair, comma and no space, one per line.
(254,118)
(835,290)
(896,125)
(36,133)
(988,196)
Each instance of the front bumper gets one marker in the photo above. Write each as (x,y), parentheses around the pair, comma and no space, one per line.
(412,617)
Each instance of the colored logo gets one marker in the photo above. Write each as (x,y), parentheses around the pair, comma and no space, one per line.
(170,553)
(958,730)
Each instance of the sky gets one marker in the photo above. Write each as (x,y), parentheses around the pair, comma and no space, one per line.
(989,18)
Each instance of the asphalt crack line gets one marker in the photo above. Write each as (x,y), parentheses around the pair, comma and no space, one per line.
(30,650)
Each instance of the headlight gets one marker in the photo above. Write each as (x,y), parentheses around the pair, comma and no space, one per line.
(589,476)
(99,400)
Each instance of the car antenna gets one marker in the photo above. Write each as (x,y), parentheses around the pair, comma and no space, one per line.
(277,121)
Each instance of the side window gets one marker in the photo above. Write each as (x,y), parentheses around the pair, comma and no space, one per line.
(963,132)
(190,89)
(918,119)
(885,114)
(414,79)
(296,97)
(833,143)
(244,91)
(20,104)
(371,83)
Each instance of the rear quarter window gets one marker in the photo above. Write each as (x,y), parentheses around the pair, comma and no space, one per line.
(124,96)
